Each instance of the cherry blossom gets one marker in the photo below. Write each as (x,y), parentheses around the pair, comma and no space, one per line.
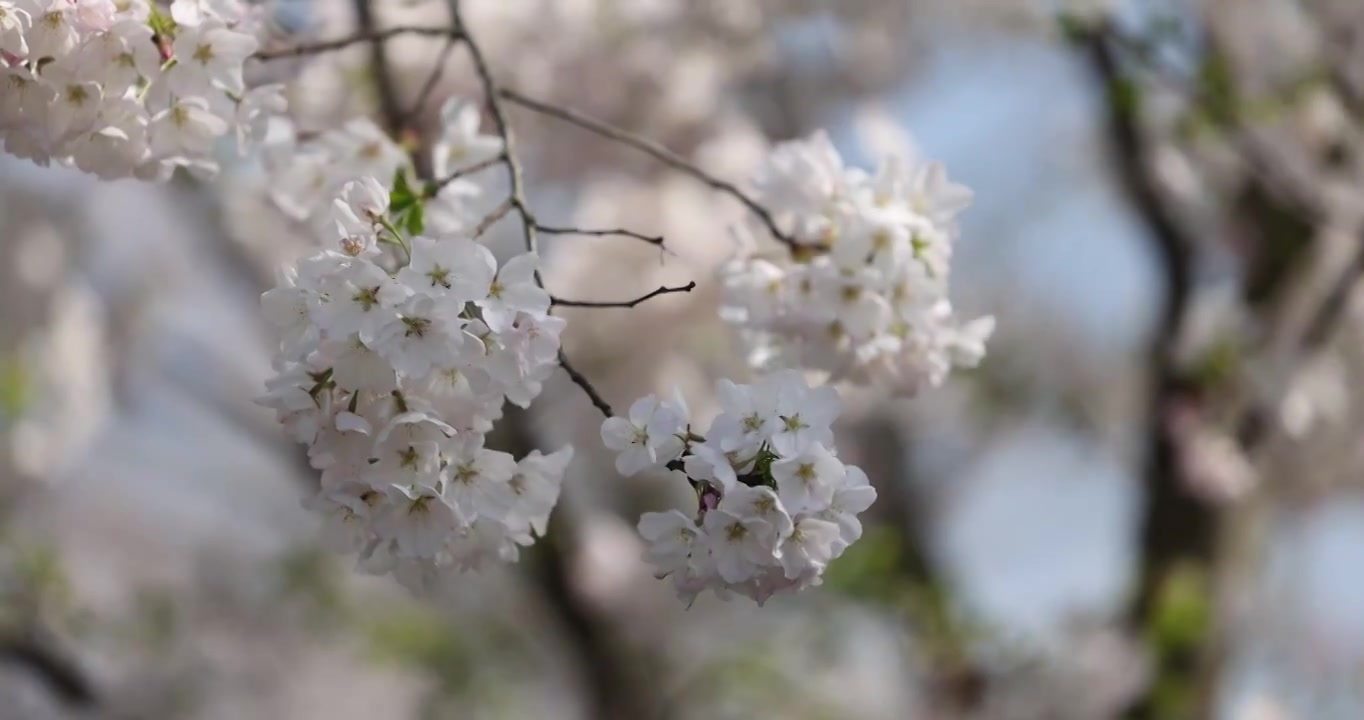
(772,513)
(388,371)
(120,90)
(863,295)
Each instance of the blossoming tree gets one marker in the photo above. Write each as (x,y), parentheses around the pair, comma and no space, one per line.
(402,337)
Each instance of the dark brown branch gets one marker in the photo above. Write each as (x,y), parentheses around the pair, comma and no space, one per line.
(376,37)
(1175,525)
(389,108)
(59,672)
(656,151)
(662,290)
(619,683)
(651,239)
(586,385)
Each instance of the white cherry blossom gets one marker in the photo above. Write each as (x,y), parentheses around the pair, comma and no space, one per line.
(647,438)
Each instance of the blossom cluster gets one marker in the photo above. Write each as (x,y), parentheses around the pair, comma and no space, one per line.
(306,174)
(774,504)
(118,89)
(862,293)
(396,356)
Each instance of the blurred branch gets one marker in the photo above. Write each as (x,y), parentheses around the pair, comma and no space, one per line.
(616,686)
(432,79)
(656,151)
(1174,524)
(57,671)
(389,107)
(1332,309)
(370,36)
(662,290)
(956,685)
(433,188)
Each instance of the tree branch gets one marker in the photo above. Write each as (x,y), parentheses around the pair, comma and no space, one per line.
(59,672)
(587,387)
(493,96)
(389,107)
(651,239)
(375,36)
(656,151)
(433,189)
(662,290)
(1175,525)
(432,80)
(618,685)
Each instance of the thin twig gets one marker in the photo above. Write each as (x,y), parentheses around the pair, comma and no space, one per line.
(651,239)
(586,385)
(432,80)
(658,152)
(516,180)
(1332,309)
(662,290)
(492,97)
(497,214)
(433,189)
(376,36)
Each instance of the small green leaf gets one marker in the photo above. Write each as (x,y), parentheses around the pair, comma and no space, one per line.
(415,220)
(401,197)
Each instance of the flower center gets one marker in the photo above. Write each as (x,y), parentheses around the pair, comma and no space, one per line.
(439,276)
(416,326)
(367,298)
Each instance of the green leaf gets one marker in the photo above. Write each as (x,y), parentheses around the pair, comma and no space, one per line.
(401,197)
(415,220)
